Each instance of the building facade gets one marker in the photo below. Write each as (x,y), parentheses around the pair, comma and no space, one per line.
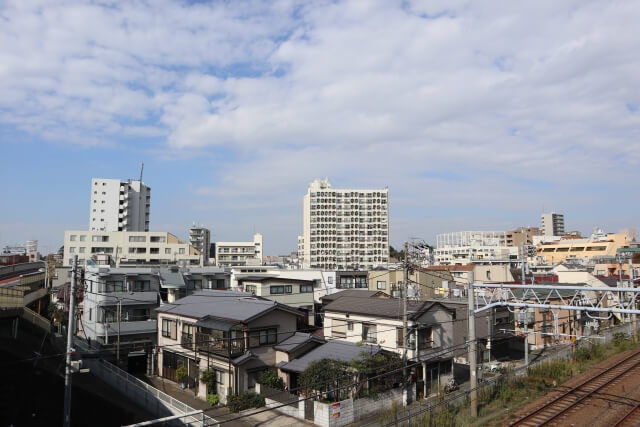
(119,205)
(465,247)
(200,238)
(232,254)
(344,229)
(598,246)
(124,247)
(552,224)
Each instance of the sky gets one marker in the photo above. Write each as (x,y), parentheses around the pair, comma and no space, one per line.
(475,115)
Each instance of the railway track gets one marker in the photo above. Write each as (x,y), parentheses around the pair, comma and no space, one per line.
(631,418)
(551,411)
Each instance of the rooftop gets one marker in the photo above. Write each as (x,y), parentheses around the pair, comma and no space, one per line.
(336,350)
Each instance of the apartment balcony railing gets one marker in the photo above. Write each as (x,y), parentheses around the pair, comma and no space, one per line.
(212,343)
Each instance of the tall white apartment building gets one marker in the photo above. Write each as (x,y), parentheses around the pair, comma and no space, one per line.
(119,206)
(344,229)
(552,224)
(200,238)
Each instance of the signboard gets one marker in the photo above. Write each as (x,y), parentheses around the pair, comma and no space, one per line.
(335,410)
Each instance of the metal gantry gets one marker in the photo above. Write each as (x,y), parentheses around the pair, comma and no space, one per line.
(581,298)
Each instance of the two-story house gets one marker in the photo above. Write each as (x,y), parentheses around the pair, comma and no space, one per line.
(435,337)
(231,333)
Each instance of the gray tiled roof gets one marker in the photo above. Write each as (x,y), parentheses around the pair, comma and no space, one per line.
(336,350)
(296,340)
(361,293)
(379,307)
(231,305)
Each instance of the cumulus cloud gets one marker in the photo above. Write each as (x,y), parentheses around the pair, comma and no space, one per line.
(522,101)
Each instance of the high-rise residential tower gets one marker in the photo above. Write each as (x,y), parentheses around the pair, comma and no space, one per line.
(119,205)
(344,229)
(552,224)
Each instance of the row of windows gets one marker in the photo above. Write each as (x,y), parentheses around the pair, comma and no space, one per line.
(256,338)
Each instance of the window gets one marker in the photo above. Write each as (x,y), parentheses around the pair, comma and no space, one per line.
(181,251)
(167,251)
(90,313)
(330,280)
(137,239)
(115,286)
(99,238)
(72,238)
(157,239)
(251,289)
(141,286)
(399,338)
(263,337)
(72,250)
(349,326)
(424,339)
(187,335)
(382,284)
(369,332)
(154,250)
(194,284)
(82,249)
(306,289)
(280,289)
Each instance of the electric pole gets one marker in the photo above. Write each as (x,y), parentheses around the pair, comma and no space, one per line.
(67,369)
(634,316)
(119,313)
(526,311)
(473,380)
(404,313)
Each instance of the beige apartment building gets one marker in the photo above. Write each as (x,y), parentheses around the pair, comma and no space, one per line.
(596,246)
(422,283)
(344,229)
(128,247)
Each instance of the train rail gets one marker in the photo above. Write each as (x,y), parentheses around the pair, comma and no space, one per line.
(552,410)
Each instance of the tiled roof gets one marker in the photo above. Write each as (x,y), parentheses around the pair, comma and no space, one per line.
(336,350)
(231,305)
(361,293)
(295,341)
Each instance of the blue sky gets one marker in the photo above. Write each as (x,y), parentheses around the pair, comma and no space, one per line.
(476,115)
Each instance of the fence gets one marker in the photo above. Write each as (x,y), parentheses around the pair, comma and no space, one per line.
(146,395)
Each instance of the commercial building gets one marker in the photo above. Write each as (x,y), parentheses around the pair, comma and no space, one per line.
(231,254)
(465,247)
(599,246)
(125,247)
(200,238)
(552,224)
(119,205)
(344,229)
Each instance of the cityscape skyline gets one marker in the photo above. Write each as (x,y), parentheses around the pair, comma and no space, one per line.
(472,123)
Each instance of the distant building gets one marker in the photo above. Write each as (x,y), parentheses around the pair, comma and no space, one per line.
(515,238)
(124,247)
(200,238)
(231,254)
(344,229)
(465,247)
(598,247)
(552,224)
(119,206)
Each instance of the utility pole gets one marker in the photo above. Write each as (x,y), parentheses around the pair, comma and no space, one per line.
(634,316)
(119,313)
(67,369)
(473,380)
(404,312)
(526,311)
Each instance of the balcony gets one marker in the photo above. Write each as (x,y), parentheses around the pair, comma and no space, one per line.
(127,328)
(215,343)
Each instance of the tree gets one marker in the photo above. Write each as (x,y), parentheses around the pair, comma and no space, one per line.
(327,377)
(375,366)
(393,253)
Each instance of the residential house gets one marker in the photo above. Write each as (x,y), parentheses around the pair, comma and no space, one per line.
(360,293)
(231,333)
(423,282)
(436,332)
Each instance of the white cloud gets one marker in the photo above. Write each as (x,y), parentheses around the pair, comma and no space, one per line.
(368,93)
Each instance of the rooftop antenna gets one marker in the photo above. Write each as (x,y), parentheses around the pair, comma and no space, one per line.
(141,170)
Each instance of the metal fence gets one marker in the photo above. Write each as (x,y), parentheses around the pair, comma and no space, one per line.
(146,395)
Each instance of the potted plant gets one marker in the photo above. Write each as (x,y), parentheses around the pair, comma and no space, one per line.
(181,375)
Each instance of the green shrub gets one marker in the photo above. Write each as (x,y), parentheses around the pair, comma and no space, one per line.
(181,373)
(271,379)
(244,401)
(213,399)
